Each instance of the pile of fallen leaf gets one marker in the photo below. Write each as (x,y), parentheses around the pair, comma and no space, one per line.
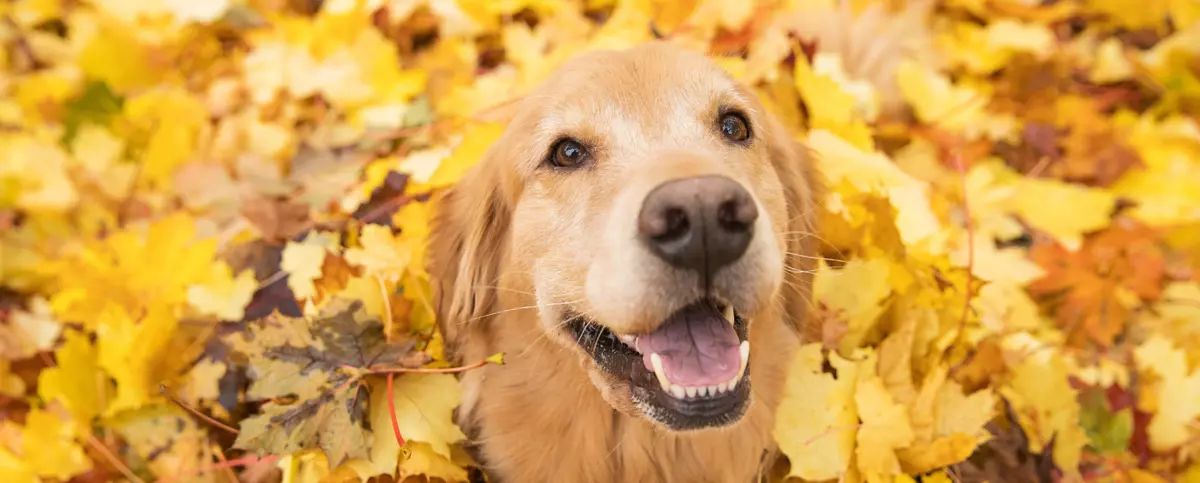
(213,215)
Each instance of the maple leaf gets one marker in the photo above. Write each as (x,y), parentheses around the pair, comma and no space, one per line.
(1088,291)
(77,382)
(303,261)
(861,306)
(30,331)
(165,438)
(307,369)
(1169,427)
(424,408)
(474,144)
(815,426)
(1045,406)
(885,428)
(137,353)
(49,448)
(223,295)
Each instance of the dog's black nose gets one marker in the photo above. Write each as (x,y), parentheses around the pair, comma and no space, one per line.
(701,223)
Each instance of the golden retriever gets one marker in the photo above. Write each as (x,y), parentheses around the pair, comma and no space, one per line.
(638,242)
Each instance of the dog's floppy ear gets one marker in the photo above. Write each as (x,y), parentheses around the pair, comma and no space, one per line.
(468,244)
(803,189)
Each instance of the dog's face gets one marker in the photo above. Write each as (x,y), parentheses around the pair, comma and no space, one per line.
(650,205)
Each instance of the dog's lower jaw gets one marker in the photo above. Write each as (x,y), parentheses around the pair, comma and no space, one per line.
(541,418)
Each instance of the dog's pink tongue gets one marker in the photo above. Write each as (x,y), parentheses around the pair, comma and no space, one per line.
(698,347)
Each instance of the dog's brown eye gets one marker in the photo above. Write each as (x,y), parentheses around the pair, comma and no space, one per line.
(734,128)
(568,153)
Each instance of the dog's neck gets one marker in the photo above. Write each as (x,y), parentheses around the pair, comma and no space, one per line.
(539,417)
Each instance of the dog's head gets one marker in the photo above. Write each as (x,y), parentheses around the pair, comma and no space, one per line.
(654,212)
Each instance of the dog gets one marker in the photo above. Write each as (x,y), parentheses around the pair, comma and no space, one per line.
(639,243)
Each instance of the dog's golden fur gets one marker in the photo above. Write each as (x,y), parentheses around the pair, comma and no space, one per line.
(513,244)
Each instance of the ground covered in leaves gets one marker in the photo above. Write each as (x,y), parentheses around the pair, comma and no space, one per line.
(212,218)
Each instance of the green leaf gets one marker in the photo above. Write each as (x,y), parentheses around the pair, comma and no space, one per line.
(1107,432)
(98,104)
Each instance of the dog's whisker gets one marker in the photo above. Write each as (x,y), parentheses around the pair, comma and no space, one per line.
(812,257)
(523,307)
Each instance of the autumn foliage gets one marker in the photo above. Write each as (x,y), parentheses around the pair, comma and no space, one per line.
(213,215)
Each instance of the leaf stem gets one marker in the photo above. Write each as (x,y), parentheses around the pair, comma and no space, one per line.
(220,454)
(391,400)
(162,388)
(387,308)
(447,370)
(970,225)
(113,459)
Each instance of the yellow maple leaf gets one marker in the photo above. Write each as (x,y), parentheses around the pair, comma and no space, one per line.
(815,423)
(959,413)
(925,457)
(49,448)
(1177,388)
(856,293)
(201,12)
(33,330)
(1078,209)
(132,268)
(1007,265)
(173,119)
(834,102)
(1044,401)
(134,353)
(100,153)
(11,384)
(385,452)
(469,152)
(885,427)
(1165,191)
(15,469)
(382,254)
(37,171)
(424,403)
(1005,307)
(77,381)
(939,102)
(117,56)
(302,261)
(223,295)
(850,169)
(423,460)
(1110,64)
(895,361)
(203,381)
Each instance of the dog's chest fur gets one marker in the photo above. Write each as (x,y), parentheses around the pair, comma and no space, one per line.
(540,419)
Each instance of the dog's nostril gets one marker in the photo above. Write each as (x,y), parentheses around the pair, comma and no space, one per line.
(676,224)
(736,214)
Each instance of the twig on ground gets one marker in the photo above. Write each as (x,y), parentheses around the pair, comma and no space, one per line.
(162,388)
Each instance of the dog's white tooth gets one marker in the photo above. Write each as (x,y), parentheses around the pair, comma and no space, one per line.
(656,361)
(729,314)
(721,387)
(677,391)
(745,353)
(733,382)
(702,391)
(690,390)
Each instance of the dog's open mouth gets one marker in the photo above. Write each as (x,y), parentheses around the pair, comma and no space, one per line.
(690,373)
